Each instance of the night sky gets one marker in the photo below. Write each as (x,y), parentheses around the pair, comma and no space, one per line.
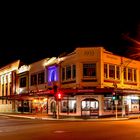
(33,36)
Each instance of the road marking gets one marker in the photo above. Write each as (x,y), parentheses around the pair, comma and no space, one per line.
(59,131)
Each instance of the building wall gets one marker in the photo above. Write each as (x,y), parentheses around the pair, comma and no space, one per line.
(35,68)
(79,57)
(7,85)
(109,58)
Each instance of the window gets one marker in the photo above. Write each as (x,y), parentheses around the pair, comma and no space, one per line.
(33,79)
(23,82)
(105,71)
(90,105)
(6,78)
(112,71)
(53,107)
(124,73)
(73,71)
(89,70)
(63,74)
(6,89)
(41,78)
(129,74)
(10,88)
(68,72)
(2,89)
(135,78)
(68,106)
(117,72)
(3,80)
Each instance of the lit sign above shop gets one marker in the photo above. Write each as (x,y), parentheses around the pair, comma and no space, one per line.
(23,69)
(50,61)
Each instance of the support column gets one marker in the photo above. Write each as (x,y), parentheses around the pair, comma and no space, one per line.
(100,104)
(123,107)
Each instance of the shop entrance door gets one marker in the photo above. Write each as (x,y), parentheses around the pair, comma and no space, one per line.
(89,107)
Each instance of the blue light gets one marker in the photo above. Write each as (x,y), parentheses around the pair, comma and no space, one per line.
(52,74)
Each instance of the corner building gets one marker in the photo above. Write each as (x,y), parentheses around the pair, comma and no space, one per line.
(90,77)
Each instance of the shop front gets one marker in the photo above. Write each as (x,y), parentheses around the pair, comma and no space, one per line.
(89,107)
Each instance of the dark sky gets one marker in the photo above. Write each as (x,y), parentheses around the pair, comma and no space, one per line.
(31,36)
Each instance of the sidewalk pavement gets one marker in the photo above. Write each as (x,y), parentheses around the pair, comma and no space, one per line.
(46,117)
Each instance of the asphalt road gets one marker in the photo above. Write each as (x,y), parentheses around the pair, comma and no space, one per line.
(27,129)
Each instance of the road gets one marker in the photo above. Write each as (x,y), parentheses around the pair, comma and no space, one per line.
(28,129)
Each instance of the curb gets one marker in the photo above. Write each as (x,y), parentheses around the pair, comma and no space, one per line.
(54,119)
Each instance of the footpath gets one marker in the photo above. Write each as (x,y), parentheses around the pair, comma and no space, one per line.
(46,117)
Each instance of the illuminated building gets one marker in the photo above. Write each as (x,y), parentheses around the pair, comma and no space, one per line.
(8,85)
(87,79)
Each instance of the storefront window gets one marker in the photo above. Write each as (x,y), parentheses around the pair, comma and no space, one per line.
(108,104)
(72,106)
(90,105)
(53,107)
(68,106)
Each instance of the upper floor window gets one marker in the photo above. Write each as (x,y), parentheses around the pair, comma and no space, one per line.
(135,78)
(6,78)
(68,72)
(73,71)
(6,89)
(89,70)
(23,82)
(111,71)
(105,71)
(124,73)
(117,72)
(34,79)
(37,78)
(130,74)
(41,78)
(63,74)
(2,89)
(10,88)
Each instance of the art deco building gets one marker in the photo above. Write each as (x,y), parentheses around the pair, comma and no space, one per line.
(90,80)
